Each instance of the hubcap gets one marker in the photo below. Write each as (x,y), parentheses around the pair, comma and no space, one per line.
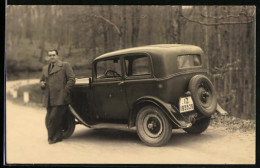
(205,95)
(152,125)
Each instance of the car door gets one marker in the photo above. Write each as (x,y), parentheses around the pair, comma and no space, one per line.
(108,90)
(139,79)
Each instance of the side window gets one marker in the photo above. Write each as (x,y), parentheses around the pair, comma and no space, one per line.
(109,68)
(137,65)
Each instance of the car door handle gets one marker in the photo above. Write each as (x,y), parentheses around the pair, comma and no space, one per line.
(121,83)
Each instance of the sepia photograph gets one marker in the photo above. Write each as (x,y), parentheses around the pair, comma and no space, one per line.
(130,84)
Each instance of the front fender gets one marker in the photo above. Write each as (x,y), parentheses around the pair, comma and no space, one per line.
(75,114)
(168,110)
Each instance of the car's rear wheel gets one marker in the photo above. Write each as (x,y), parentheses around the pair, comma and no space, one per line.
(153,128)
(203,94)
(199,126)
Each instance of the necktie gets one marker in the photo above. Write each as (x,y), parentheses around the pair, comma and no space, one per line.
(51,66)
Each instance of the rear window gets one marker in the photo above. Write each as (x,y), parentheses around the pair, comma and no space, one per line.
(188,61)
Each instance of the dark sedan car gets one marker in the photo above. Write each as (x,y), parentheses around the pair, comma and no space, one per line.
(154,88)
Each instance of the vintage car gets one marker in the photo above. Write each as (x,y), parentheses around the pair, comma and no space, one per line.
(153,88)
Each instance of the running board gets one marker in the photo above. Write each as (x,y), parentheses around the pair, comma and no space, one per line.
(110,126)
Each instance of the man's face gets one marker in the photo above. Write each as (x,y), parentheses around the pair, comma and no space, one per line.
(53,57)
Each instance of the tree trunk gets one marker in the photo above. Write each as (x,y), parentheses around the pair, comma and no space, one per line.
(248,73)
(207,40)
(179,23)
(170,30)
(135,23)
(150,27)
(43,33)
(105,32)
(123,27)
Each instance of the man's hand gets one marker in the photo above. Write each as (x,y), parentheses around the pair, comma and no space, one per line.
(43,84)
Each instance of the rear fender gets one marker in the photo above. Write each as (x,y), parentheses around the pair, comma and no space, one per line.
(175,117)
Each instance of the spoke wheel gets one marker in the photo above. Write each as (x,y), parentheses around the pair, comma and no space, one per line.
(203,95)
(152,126)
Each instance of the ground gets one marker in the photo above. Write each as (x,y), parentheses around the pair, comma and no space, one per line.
(26,143)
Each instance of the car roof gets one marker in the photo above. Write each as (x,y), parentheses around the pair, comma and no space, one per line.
(158,48)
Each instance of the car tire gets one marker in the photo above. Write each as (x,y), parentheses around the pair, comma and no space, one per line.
(153,127)
(199,126)
(68,125)
(203,94)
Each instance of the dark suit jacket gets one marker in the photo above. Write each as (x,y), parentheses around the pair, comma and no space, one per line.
(58,84)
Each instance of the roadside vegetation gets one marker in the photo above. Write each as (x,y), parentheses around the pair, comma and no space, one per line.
(23,62)
(232,124)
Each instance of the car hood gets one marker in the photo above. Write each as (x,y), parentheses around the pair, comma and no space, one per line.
(82,81)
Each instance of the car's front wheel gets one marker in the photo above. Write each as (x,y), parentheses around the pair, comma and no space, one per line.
(68,125)
(199,126)
(153,128)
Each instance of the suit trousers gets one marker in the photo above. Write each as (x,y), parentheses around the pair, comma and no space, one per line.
(54,118)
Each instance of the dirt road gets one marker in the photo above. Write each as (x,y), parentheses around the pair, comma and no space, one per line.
(26,142)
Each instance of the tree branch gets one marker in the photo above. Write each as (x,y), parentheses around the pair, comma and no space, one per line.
(109,22)
(213,24)
(226,67)
(228,16)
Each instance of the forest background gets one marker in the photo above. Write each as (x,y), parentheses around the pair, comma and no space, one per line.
(81,33)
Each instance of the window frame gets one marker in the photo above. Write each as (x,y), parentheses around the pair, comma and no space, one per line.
(145,76)
(199,66)
(107,79)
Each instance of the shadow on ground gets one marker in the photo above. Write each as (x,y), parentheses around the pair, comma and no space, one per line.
(178,138)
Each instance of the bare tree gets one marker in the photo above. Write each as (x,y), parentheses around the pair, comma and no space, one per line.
(135,24)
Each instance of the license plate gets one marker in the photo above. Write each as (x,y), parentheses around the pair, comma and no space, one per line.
(186,104)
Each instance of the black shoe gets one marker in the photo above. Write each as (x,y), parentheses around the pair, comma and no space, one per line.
(50,140)
(55,140)
(58,140)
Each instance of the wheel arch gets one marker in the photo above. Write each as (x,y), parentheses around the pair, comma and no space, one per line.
(166,108)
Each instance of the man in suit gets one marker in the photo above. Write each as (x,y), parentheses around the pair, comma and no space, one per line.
(57,80)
